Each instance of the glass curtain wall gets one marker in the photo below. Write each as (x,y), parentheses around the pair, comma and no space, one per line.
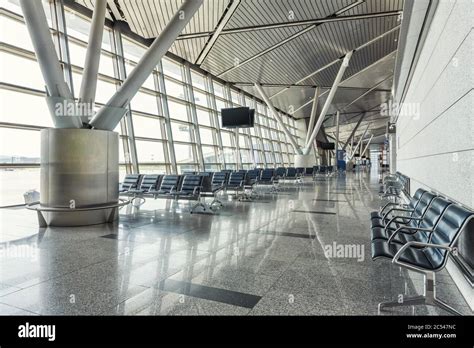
(173,123)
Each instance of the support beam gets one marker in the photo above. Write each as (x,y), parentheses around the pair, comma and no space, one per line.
(314,111)
(253,28)
(281,43)
(354,130)
(58,93)
(215,35)
(277,117)
(109,116)
(367,146)
(327,104)
(91,64)
(337,60)
(359,143)
(337,132)
(366,93)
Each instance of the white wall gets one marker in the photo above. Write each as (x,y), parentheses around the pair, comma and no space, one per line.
(436,148)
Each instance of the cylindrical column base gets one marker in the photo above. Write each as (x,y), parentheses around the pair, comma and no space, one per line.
(79,169)
(305,161)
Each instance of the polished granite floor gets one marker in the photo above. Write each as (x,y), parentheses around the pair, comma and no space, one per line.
(267,257)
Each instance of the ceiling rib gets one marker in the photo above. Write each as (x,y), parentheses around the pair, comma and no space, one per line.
(281,43)
(338,60)
(289,24)
(222,23)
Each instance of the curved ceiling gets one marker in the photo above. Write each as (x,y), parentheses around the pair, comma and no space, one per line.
(289,43)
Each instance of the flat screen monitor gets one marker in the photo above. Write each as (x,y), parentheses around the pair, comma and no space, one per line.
(241,117)
(328,146)
(252,117)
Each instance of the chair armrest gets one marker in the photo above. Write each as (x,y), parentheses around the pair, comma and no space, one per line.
(395,209)
(418,244)
(400,229)
(396,219)
(197,190)
(173,189)
(387,205)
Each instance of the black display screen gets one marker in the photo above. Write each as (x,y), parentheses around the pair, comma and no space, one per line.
(241,117)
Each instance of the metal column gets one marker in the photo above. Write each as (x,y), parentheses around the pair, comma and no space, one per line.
(91,64)
(277,117)
(57,90)
(194,120)
(353,131)
(122,75)
(314,111)
(110,114)
(327,104)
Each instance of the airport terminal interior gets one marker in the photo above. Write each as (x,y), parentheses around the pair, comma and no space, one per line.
(236,157)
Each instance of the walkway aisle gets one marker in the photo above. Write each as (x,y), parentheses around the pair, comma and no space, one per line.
(304,251)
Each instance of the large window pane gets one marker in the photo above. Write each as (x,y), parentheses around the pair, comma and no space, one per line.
(198,80)
(181,132)
(147,127)
(184,153)
(172,69)
(200,98)
(178,110)
(226,138)
(15,182)
(150,151)
(209,154)
(206,135)
(204,117)
(24,108)
(218,89)
(19,146)
(175,89)
(220,104)
(20,71)
(15,33)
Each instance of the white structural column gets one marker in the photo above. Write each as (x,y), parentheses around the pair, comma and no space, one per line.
(314,111)
(353,132)
(337,138)
(58,94)
(360,142)
(327,104)
(277,117)
(91,64)
(392,142)
(367,146)
(109,116)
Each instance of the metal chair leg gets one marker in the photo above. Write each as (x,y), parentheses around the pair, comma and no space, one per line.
(409,301)
(445,306)
(428,298)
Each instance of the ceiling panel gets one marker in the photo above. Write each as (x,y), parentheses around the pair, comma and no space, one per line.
(260,12)
(248,57)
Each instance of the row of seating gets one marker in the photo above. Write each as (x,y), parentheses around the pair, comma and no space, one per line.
(179,187)
(197,185)
(394,185)
(419,236)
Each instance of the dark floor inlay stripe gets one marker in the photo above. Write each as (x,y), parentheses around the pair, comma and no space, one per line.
(111,236)
(209,293)
(289,234)
(327,200)
(313,212)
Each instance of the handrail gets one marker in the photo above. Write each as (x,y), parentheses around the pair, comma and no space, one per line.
(33,206)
